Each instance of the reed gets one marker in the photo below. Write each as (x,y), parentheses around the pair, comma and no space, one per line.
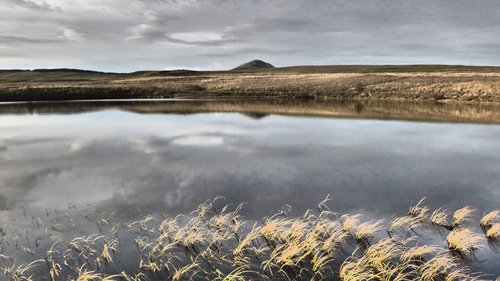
(350,222)
(368,229)
(490,218)
(440,217)
(463,240)
(418,253)
(462,215)
(208,244)
(437,268)
(494,232)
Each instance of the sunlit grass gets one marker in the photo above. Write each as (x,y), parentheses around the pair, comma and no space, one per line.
(463,240)
(490,218)
(440,217)
(350,222)
(368,229)
(437,268)
(494,232)
(418,253)
(214,243)
(462,215)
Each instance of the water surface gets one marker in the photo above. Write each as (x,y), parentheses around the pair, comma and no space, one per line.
(133,164)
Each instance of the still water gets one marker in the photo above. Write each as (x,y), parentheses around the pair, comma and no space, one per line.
(132,164)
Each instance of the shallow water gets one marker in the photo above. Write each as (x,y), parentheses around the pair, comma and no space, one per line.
(130,164)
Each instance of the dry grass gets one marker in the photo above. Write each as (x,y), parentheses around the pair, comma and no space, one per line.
(368,229)
(440,217)
(437,268)
(463,240)
(350,222)
(402,82)
(220,245)
(418,252)
(490,218)
(494,232)
(461,216)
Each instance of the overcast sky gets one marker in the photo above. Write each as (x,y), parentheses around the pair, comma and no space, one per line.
(118,35)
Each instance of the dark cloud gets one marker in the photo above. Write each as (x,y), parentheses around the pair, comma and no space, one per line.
(27,40)
(200,34)
(29,4)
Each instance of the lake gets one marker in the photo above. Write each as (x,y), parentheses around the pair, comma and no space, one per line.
(64,164)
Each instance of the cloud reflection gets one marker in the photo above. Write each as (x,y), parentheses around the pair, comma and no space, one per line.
(171,163)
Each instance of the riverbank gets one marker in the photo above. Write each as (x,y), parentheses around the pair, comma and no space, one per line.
(257,109)
(412,83)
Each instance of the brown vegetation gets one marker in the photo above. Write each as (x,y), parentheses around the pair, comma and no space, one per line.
(209,244)
(401,83)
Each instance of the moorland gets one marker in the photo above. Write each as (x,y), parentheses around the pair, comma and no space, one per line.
(443,83)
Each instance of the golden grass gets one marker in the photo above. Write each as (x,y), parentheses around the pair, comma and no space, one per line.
(493,232)
(463,240)
(462,215)
(354,270)
(419,211)
(490,218)
(408,83)
(437,267)
(350,222)
(219,245)
(406,222)
(368,229)
(418,252)
(440,217)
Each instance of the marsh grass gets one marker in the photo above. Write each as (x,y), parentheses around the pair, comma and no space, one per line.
(440,218)
(463,240)
(213,243)
(490,223)
(461,216)
(490,218)
(494,232)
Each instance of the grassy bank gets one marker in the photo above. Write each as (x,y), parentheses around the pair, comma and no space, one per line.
(414,82)
(253,108)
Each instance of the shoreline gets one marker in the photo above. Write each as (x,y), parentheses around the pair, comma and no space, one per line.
(414,111)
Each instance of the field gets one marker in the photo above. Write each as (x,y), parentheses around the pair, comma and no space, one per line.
(413,82)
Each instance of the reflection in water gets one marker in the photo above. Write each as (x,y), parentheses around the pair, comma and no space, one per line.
(133,164)
(416,111)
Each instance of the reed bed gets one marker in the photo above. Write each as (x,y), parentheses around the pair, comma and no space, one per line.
(214,243)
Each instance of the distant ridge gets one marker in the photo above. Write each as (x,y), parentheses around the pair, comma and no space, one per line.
(255,64)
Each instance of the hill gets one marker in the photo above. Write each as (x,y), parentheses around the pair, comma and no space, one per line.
(255,64)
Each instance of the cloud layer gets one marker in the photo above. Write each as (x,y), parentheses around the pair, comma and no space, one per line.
(218,34)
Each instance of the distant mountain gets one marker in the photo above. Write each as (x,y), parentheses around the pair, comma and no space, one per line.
(255,64)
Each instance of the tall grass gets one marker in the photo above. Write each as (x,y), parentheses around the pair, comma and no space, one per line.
(209,244)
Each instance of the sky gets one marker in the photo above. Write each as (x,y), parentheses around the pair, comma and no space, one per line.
(124,36)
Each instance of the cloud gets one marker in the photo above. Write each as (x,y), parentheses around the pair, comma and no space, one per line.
(147,34)
(26,40)
(30,4)
(72,35)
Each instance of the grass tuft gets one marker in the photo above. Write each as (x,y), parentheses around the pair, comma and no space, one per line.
(494,232)
(490,218)
(463,240)
(462,215)
(208,244)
